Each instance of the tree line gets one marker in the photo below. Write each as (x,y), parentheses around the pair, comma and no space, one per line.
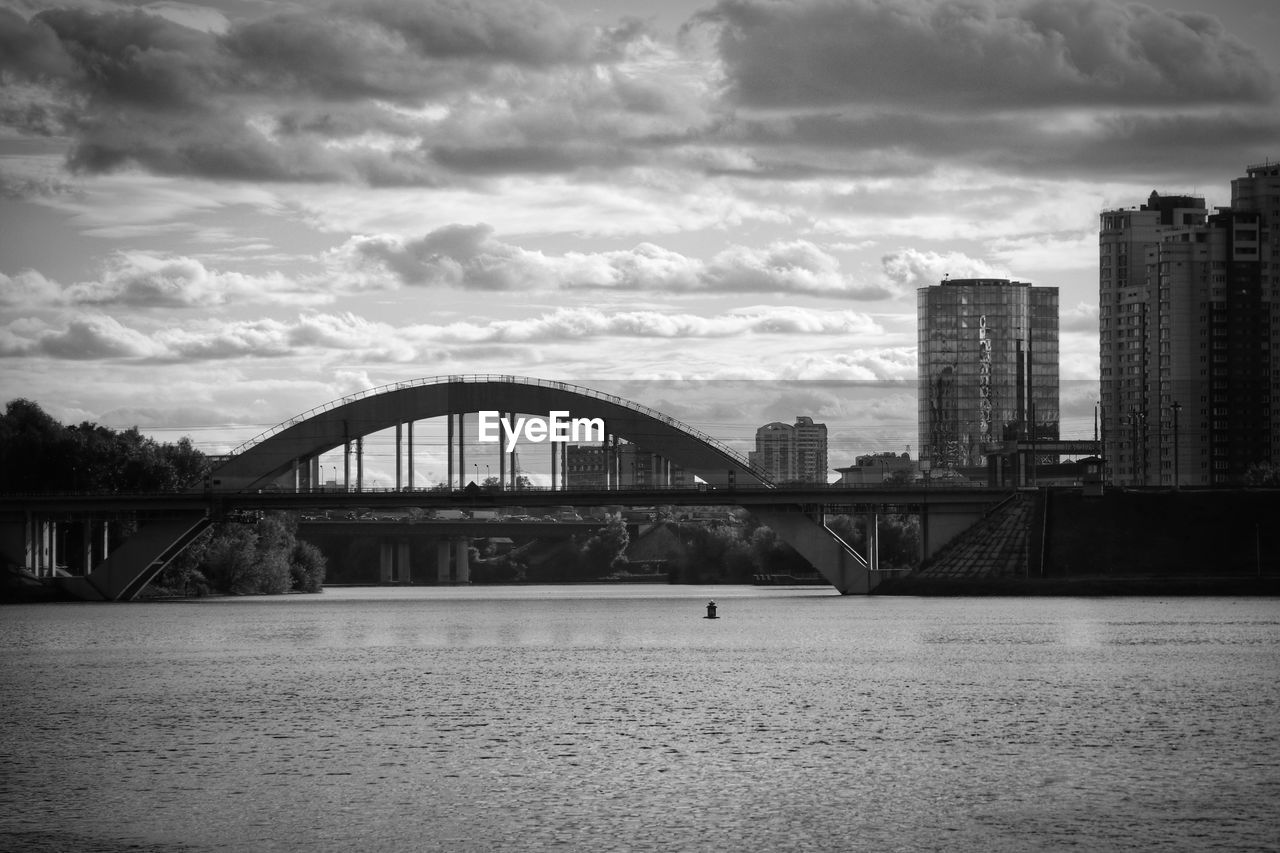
(40,455)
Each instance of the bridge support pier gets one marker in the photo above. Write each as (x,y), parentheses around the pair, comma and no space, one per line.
(453,560)
(461,559)
(834,558)
(40,541)
(393,561)
(444,563)
(137,560)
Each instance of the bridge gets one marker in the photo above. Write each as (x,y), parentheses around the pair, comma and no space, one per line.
(280,470)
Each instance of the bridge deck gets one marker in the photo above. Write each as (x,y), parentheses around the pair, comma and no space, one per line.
(846,499)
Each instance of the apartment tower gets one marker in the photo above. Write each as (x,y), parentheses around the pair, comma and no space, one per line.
(792,452)
(1189,313)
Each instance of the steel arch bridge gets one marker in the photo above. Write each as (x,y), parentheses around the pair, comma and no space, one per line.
(293,446)
(293,449)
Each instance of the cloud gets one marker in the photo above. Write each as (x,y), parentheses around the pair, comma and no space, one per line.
(349,336)
(472,257)
(377,91)
(1041,88)
(265,339)
(1060,251)
(442,94)
(26,288)
(146,281)
(1081,318)
(97,337)
(31,50)
(955,55)
(571,324)
(890,363)
(143,280)
(909,269)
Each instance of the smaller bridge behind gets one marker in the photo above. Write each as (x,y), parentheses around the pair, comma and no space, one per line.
(168,521)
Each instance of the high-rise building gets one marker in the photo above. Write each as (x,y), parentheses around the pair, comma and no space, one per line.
(1189,321)
(792,452)
(988,368)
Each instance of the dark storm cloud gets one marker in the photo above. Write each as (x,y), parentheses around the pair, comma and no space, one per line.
(960,54)
(520,32)
(433,92)
(136,60)
(1161,145)
(1047,88)
(31,50)
(531,158)
(265,98)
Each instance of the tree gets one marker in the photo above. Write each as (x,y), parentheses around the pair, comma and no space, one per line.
(38,454)
(770,555)
(899,537)
(607,546)
(494,484)
(274,548)
(229,557)
(717,552)
(263,558)
(34,452)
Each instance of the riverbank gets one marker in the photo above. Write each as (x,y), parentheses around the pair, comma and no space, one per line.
(1086,585)
(17,587)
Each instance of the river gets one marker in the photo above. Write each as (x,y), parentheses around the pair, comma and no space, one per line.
(616,718)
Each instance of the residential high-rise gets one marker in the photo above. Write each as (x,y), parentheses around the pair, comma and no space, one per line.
(988,368)
(1189,313)
(792,452)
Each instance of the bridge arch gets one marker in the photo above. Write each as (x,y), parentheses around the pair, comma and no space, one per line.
(277,451)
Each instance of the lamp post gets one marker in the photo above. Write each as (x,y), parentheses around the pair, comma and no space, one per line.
(1177,407)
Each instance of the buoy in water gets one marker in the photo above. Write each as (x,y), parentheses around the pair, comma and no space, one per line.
(711,611)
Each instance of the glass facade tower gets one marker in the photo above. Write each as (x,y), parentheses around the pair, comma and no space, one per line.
(988,368)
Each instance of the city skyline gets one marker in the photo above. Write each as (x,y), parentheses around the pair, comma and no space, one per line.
(266,208)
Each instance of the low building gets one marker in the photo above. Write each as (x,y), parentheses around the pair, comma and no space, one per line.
(874,469)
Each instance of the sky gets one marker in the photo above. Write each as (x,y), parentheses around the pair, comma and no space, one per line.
(215,216)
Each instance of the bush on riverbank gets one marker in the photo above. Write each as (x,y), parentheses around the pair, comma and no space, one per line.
(265,558)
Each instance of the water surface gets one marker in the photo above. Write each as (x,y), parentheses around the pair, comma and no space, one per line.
(616,718)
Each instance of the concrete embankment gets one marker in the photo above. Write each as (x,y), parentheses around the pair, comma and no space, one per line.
(1124,542)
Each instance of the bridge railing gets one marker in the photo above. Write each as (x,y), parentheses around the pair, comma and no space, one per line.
(520,380)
